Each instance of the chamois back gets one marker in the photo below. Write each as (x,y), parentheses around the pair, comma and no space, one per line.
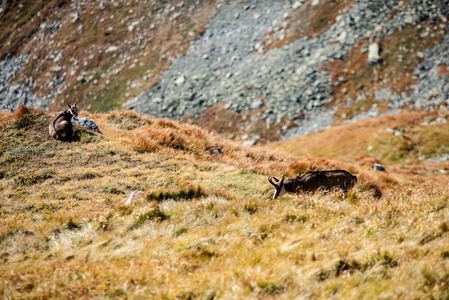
(327,180)
(313,181)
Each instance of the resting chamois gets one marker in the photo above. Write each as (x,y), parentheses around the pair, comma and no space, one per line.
(313,181)
(61,127)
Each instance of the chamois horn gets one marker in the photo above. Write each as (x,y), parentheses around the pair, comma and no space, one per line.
(270,179)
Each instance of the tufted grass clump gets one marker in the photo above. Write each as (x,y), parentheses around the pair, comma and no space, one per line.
(187,193)
(25,117)
(128,120)
(153,214)
(31,179)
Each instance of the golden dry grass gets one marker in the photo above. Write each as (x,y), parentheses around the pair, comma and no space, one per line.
(205,226)
(405,137)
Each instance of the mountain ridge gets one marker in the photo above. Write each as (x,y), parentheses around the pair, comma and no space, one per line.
(279,69)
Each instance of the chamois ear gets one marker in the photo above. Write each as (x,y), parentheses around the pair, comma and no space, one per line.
(74,105)
(282,181)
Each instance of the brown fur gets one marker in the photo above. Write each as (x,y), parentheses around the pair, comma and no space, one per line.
(61,127)
(315,180)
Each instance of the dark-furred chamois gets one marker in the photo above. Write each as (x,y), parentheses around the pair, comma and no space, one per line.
(313,181)
(61,127)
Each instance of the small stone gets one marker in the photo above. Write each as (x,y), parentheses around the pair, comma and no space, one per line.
(379,167)
(180,80)
(57,69)
(58,57)
(111,49)
(257,104)
(296,4)
(217,151)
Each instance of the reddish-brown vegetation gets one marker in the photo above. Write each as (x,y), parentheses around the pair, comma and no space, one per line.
(408,137)
(443,70)
(395,10)
(307,20)
(233,125)
(400,53)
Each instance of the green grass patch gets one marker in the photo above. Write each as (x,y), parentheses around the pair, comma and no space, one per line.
(295,218)
(87,176)
(112,190)
(180,231)
(31,179)
(41,207)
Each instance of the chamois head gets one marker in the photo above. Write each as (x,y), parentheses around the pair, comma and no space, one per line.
(279,188)
(73,110)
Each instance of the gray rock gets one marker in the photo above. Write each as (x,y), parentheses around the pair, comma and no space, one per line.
(441,158)
(252,141)
(217,151)
(57,69)
(257,104)
(180,80)
(76,16)
(51,27)
(373,54)
(379,167)
(6,107)
(18,93)
(87,123)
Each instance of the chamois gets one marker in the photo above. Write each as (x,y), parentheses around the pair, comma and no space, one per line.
(61,127)
(312,181)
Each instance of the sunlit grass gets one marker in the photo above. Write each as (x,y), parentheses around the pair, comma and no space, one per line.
(206,226)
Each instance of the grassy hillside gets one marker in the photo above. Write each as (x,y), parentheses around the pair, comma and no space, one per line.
(205,226)
(408,137)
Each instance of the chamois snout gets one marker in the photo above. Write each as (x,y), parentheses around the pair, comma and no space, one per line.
(73,109)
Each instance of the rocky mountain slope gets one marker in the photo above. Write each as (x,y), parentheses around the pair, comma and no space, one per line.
(256,70)
(98,52)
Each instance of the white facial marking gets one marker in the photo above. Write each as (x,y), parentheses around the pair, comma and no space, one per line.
(280,193)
